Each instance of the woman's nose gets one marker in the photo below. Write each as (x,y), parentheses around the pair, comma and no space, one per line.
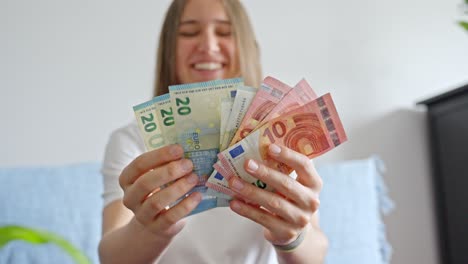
(209,41)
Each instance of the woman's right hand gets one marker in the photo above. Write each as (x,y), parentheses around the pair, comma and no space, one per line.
(142,180)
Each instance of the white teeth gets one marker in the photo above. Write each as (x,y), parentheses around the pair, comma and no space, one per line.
(208,66)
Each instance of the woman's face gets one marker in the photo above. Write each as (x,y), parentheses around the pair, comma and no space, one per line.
(206,48)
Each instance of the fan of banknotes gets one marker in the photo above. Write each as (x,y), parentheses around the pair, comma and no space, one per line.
(222,123)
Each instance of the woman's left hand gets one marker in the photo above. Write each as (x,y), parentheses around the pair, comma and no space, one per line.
(291,208)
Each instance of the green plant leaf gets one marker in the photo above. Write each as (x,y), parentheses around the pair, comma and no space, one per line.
(464,24)
(33,236)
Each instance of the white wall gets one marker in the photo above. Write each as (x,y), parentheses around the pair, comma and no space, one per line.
(71,71)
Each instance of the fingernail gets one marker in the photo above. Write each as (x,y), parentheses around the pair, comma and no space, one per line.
(253,166)
(237,184)
(187,165)
(275,149)
(192,178)
(176,150)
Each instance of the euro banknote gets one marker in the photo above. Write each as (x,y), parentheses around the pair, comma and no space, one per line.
(149,125)
(311,129)
(225,112)
(270,93)
(301,94)
(217,184)
(196,110)
(165,115)
(239,108)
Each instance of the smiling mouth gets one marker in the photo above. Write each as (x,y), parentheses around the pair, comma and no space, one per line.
(208,66)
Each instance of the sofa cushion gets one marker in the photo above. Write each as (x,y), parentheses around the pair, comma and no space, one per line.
(65,200)
(353,199)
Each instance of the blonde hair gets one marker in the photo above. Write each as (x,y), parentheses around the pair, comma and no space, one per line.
(247,47)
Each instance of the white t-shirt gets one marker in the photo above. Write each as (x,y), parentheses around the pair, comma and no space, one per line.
(214,236)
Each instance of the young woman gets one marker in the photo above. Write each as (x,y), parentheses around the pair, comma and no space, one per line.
(203,40)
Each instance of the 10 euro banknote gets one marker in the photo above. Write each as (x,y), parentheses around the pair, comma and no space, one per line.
(311,129)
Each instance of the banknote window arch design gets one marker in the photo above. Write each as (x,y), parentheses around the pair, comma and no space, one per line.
(307,137)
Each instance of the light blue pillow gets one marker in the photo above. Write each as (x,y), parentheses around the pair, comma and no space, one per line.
(353,199)
(64,200)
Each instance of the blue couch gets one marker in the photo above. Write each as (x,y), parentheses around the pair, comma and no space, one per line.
(66,201)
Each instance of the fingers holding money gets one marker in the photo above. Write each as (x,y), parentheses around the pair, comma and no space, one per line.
(143,181)
(168,220)
(307,174)
(273,202)
(294,202)
(304,191)
(279,230)
(147,162)
(152,180)
(159,201)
